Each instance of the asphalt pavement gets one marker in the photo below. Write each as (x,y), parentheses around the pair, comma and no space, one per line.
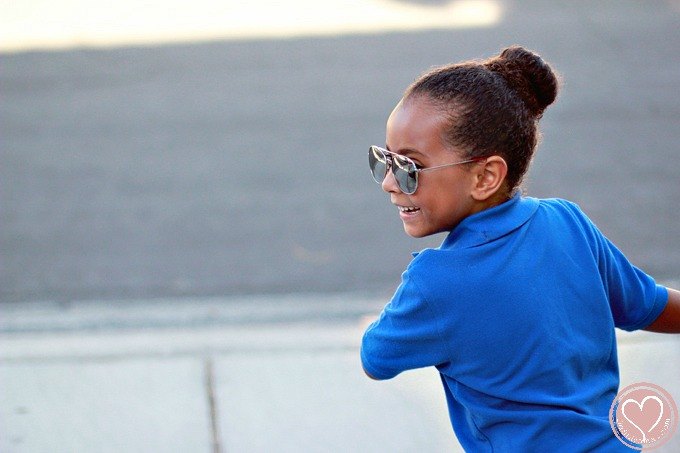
(190,240)
(239,167)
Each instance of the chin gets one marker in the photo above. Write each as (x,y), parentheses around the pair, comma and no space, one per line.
(416,232)
(421,231)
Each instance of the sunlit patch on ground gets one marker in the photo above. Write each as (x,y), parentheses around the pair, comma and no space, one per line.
(42,24)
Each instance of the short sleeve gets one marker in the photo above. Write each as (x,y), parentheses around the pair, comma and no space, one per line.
(634,297)
(406,336)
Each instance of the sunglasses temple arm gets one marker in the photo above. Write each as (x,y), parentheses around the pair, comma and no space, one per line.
(477,159)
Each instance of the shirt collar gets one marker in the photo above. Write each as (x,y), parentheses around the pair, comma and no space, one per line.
(492,223)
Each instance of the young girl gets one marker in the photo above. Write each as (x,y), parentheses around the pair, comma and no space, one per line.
(517,307)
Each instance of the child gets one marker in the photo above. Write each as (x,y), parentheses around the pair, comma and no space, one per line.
(517,307)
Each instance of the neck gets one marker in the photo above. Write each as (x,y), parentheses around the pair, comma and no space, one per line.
(496,199)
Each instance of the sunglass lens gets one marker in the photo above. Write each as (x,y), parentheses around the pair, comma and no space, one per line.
(405,173)
(377,161)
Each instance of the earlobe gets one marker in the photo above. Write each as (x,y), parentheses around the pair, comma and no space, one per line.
(490,178)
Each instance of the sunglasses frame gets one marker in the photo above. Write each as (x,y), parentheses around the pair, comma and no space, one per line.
(411,168)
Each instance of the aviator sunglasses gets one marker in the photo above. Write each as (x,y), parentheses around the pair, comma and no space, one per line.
(405,171)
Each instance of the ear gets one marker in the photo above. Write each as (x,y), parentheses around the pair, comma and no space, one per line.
(490,178)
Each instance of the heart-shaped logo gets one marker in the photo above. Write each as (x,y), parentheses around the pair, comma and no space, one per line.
(644,417)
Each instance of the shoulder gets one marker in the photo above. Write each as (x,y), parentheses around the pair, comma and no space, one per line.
(567,224)
(565,212)
(560,205)
(442,274)
(425,266)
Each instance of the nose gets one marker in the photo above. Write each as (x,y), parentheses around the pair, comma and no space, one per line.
(389,184)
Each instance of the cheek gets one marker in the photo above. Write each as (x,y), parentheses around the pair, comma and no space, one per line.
(436,196)
(447,200)
(433,208)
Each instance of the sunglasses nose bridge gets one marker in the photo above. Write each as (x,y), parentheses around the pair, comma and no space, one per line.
(388,162)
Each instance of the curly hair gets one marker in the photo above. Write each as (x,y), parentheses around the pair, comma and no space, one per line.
(493,106)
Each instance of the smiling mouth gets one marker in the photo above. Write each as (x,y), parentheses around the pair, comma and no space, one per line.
(408,209)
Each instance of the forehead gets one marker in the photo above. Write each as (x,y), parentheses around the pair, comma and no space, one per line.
(415,125)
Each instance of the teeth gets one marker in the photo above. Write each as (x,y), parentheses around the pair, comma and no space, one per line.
(408,209)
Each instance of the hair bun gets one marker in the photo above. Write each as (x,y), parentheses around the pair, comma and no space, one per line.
(528,75)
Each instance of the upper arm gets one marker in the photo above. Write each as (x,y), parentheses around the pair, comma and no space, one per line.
(634,297)
(406,336)
(669,319)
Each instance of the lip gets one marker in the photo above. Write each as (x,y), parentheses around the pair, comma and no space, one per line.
(407,215)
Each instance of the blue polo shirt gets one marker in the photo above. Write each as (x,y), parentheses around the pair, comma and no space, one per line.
(517,309)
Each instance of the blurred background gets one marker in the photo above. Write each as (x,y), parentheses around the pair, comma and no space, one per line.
(203,164)
(238,166)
